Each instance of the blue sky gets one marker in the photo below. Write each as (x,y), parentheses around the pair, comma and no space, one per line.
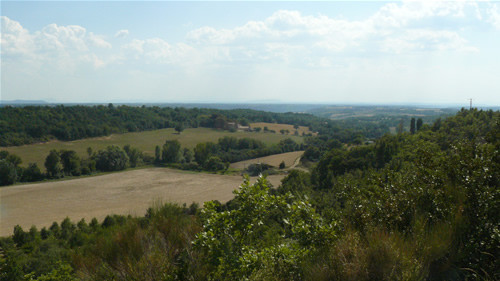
(427,52)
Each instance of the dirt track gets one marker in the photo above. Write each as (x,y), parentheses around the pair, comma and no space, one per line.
(130,192)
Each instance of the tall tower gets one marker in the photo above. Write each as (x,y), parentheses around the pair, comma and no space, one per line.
(470,106)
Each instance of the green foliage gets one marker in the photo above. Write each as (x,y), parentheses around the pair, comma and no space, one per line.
(188,155)
(420,206)
(288,145)
(53,165)
(179,127)
(70,162)
(88,166)
(340,161)
(264,235)
(171,152)
(14,159)
(135,156)
(438,189)
(412,126)
(112,159)
(202,152)
(420,122)
(214,163)
(30,124)
(156,247)
(32,173)
(8,172)
(298,183)
(63,272)
(257,169)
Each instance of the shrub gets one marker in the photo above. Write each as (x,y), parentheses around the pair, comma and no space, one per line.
(112,159)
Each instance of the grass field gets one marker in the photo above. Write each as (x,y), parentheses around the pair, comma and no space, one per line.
(278,127)
(273,160)
(145,141)
(130,192)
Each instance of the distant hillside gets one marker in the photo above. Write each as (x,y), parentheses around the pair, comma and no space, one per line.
(29,124)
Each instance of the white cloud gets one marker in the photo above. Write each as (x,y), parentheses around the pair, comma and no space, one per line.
(286,36)
(424,40)
(135,46)
(396,28)
(121,33)
(98,41)
(210,35)
(494,15)
(15,38)
(401,14)
(61,46)
(157,50)
(417,46)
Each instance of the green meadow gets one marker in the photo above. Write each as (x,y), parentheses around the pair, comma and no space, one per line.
(145,141)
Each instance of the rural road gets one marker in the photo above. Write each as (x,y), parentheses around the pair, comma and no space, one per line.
(130,192)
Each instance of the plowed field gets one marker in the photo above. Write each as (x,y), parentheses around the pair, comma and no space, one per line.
(130,192)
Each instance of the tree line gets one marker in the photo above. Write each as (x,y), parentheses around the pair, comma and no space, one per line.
(207,156)
(61,163)
(30,124)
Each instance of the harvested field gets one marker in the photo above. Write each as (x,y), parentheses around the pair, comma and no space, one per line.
(144,141)
(278,127)
(273,160)
(130,192)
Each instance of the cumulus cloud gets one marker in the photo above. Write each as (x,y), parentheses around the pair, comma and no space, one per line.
(121,33)
(157,50)
(336,34)
(494,15)
(285,36)
(425,40)
(61,46)
(15,38)
(395,28)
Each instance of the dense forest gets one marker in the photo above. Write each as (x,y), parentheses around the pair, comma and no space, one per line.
(30,124)
(419,205)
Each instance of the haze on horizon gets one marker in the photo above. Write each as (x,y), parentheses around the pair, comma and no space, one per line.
(429,52)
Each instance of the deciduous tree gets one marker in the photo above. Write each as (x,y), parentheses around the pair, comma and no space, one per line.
(53,165)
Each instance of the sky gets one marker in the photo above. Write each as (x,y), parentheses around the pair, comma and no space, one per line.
(370,52)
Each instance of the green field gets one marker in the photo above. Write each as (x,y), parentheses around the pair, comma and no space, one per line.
(144,141)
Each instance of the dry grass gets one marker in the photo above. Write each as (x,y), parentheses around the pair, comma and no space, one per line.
(144,141)
(278,127)
(130,192)
(273,160)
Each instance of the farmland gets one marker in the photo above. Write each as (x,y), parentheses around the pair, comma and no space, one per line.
(145,141)
(130,192)
(274,160)
(278,127)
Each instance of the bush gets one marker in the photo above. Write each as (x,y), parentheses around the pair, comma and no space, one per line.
(8,172)
(214,163)
(171,152)
(112,159)
(257,169)
(53,165)
(32,173)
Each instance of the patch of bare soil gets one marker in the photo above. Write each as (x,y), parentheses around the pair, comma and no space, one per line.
(290,159)
(130,192)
